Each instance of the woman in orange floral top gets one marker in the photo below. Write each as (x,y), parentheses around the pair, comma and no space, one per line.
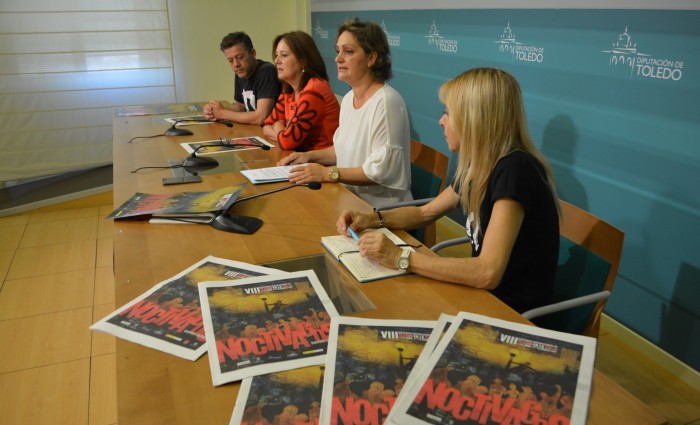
(306,114)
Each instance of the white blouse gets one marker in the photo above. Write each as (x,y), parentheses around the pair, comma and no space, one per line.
(377,137)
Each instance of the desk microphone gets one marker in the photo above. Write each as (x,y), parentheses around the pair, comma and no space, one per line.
(175,131)
(197,161)
(248,225)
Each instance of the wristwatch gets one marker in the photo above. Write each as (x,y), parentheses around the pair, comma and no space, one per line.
(404,260)
(334,175)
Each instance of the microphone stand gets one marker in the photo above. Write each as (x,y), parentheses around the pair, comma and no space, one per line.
(236,223)
(244,224)
(174,131)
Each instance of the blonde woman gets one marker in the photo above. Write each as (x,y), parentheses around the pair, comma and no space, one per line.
(505,188)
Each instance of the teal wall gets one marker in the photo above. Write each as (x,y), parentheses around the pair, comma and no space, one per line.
(621,128)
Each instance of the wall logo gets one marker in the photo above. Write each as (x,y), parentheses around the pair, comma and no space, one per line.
(519,51)
(443,45)
(320,31)
(624,52)
(394,40)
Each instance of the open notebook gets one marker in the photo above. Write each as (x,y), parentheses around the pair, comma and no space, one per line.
(344,249)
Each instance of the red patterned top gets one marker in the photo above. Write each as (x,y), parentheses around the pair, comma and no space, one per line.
(311,121)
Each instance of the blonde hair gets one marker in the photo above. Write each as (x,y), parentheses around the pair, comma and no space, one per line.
(486,112)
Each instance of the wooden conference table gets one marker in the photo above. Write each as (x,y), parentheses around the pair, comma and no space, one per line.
(158,388)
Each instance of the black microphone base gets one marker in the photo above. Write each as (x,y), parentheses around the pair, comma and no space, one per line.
(174,131)
(236,223)
(200,162)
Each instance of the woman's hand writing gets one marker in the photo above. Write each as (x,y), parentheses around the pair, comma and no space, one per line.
(378,247)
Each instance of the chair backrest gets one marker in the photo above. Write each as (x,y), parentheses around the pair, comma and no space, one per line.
(589,255)
(429,167)
(579,273)
(428,179)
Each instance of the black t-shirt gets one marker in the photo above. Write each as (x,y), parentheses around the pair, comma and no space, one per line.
(262,84)
(528,280)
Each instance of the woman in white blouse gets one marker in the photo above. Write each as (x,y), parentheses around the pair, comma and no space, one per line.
(371,147)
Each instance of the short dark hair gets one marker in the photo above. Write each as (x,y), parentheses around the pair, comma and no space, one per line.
(307,53)
(371,38)
(235,38)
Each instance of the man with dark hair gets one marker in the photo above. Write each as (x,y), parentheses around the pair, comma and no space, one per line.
(256,84)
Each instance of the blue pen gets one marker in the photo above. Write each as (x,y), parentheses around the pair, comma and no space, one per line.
(353,234)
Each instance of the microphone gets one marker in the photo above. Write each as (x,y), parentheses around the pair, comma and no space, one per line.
(197,161)
(311,185)
(175,131)
(248,225)
(236,223)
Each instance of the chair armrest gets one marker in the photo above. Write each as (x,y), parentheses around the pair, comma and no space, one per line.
(413,203)
(565,305)
(450,242)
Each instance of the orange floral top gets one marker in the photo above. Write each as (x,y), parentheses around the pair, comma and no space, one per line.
(311,121)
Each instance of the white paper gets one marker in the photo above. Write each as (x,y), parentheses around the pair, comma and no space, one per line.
(269,174)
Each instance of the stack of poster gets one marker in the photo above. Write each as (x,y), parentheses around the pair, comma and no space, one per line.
(491,371)
(182,204)
(265,324)
(168,317)
(367,368)
(301,363)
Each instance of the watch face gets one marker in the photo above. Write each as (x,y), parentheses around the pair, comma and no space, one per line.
(334,175)
(403,263)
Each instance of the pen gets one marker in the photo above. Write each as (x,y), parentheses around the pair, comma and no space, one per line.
(353,234)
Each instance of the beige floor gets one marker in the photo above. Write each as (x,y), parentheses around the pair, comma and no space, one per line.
(56,270)
(56,280)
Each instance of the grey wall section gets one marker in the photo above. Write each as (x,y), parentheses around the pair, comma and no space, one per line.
(611,96)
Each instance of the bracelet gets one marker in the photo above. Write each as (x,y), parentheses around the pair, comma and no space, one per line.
(381,220)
